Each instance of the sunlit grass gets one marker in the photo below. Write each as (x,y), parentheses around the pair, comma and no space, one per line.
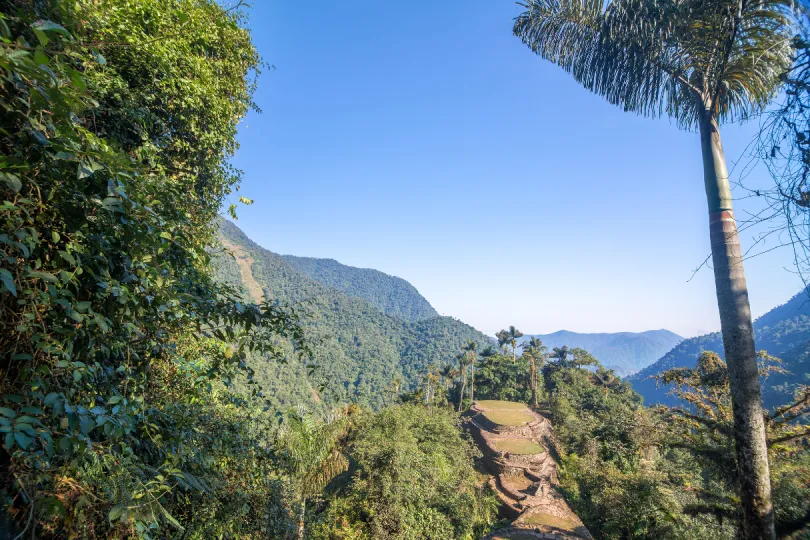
(497,404)
(539,518)
(508,417)
(518,446)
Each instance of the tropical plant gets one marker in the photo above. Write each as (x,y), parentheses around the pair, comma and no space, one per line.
(309,452)
(703,425)
(536,353)
(702,62)
(469,350)
(462,369)
(413,476)
(560,354)
(118,350)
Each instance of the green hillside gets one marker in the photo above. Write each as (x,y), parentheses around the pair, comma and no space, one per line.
(360,351)
(783,332)
(623,352)
(390,294)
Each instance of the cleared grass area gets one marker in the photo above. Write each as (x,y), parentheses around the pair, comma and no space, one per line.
(516,482)
(539,518)
(514,536)
(508,417)
(491,404)
(518,446)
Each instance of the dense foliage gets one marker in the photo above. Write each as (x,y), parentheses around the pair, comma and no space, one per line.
(363,354)
(390,294)
(411,476)
(117,347)
(634,472)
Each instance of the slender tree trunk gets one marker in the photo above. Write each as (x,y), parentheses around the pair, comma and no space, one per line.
(533,383)
(472,382)
(463,387)
(738,340)
(301,519)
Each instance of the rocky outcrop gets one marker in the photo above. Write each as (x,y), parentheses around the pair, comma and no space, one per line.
(514,441)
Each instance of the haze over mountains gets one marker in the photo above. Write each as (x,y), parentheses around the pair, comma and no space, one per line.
(623,352)
(783,332)
(372,335)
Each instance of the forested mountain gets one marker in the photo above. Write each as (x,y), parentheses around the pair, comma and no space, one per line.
(623,352)
(361,352)
(783,332)
(391,294)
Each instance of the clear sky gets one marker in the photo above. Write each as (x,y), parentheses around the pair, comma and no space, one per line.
(424,140)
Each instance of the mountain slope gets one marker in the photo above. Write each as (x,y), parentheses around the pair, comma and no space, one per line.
(783,332)
(359,350)
(624,352)
(390,294)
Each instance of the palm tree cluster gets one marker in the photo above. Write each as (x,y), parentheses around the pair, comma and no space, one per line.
(702,63)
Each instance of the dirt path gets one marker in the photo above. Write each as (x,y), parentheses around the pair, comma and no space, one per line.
(514,441)
(245,261)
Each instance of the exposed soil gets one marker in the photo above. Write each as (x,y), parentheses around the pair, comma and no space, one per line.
(515,442)
(245,261)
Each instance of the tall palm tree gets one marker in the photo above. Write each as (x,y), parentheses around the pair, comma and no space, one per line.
(702,62)
(309,451)
(560,354)
(536,353)
(462,368)
(469,351)
(511,337)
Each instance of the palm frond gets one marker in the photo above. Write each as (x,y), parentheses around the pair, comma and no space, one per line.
(673,57)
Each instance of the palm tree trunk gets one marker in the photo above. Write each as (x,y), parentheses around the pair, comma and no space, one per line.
(533,383)
(301,519)
(738,339)
(463,386)
(472,382)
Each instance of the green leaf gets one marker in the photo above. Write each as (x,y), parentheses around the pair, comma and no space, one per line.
(45,276)
(8,281)
(43,39)
(7,412)
(23,440)
(67,257)
(12,181)
(22,356)
(50,26)
(40,57)
(116,512)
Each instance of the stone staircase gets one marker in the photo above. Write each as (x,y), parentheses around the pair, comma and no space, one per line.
(514,441)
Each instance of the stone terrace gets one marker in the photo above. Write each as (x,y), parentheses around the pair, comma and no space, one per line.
(514,441)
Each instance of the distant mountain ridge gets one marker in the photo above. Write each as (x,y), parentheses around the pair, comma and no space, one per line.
(393,295)
(362,353)
(783,332)
(623,352)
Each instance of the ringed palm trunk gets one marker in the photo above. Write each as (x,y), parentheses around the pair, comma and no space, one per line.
(472,381)
(463,387)
(738,339)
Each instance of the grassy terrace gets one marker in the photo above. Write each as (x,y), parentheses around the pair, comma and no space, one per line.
(518,446)
(508,418)
(539,518)
(492,404)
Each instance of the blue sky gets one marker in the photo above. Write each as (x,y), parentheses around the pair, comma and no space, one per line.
(422,139)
